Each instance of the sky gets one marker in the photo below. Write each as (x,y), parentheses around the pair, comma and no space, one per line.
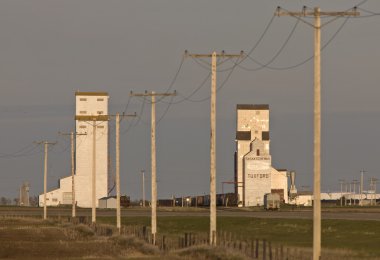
(51,48)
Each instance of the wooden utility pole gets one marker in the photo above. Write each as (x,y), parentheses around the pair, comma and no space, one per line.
(46,146)
(355,182)
(20,197)
(375,180)
(72,134)
(92,120)
(341,191)
(93,179)
(213,57)
(72,175)
(153,96)
(143,188)
(372,187)
(118,217)
(316,13)
(361,186)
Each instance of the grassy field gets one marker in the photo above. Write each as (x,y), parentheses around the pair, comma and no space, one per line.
(30,238)
(33,238)
(360,237)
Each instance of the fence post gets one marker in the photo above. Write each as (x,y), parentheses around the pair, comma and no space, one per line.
(257,249)
(163,243)
(276,253)
(270,250)
(264,249)
(252,249)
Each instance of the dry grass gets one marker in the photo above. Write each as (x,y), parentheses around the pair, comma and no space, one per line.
(28,238)
(207,252)
(36,239)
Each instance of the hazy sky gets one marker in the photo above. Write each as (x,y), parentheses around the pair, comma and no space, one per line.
(49,49)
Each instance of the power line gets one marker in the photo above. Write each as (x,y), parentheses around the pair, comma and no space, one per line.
(187,98)
(166,110)
(173,80)
(126,106)
(27,151)
(262,65)
(255,45)
(139,115)
(217,89)
(371,14)
(300,63)
(19,151)
(158,99)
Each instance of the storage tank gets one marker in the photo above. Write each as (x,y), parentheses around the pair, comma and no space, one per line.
(293,189)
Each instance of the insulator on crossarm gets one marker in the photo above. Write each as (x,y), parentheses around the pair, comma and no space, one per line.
(278,10)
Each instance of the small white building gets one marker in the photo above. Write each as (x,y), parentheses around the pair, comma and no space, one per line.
(303,198)
(108,202)
(60,196)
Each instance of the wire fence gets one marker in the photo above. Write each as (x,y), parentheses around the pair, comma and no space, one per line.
(248,248)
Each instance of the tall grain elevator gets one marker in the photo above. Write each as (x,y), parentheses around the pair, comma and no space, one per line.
(254,174)
(91,123)
(91,115)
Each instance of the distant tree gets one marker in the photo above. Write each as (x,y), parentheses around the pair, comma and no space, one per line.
(16,201)
(136,203)
(3,201)
(33,201)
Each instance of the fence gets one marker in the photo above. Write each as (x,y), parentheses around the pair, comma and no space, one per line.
(251,248)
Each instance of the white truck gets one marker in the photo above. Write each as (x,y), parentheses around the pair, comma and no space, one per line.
(272,201)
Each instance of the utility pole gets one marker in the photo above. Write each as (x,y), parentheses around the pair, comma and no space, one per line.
(143,188)
(91,120)
(355,182)
(213,57)
(153,96)
(72,134)
(341,192)
(118,213)
(46,146)
(375,180)
(361,186)
(316,13)
(350,194)
(372,185)
(27,201)
(93,181)
(20,197)
(370,190)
